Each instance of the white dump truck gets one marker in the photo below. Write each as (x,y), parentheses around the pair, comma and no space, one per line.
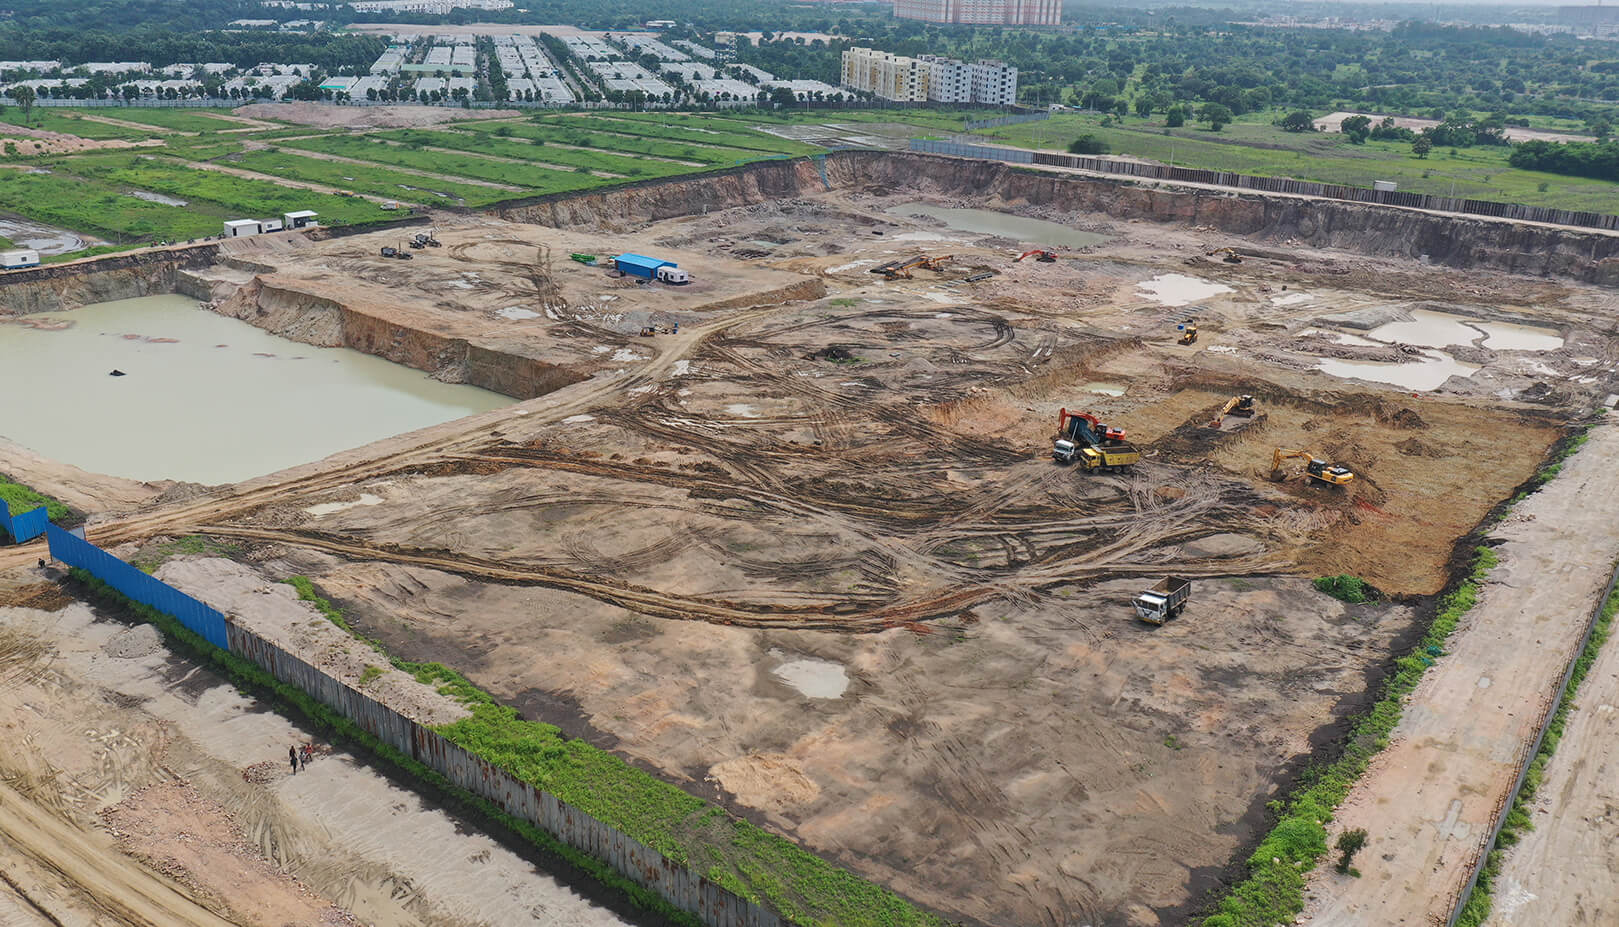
(1163,601)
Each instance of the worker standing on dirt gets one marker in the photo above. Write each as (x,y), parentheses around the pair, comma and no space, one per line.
(308,753)
(292,756)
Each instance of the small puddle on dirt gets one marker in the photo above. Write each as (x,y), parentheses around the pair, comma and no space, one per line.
(990,222)
(1344,337)
(45,239)
(517,313)
(1510,336)
(1179,289)
(814,678)
(1425,376)
(151,197)
(1442,329)
(1106,389)
(327,508)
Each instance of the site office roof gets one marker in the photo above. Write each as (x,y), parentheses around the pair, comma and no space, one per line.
(643,262)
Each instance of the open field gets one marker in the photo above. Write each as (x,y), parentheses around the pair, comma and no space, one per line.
(1248,147)
(809,558)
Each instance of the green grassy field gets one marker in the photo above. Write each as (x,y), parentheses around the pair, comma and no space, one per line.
(72,122)
(100,209)
(375,180)
(215,192)
(701,130)
(1255,147)
(531,178)
(184,120)
(523,150)
(571,131)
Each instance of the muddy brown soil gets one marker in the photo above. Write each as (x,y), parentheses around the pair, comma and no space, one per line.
(810,556)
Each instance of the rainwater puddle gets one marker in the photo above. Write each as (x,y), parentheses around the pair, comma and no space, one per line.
(1428,375)
(151,197)
(327,508)
(1106,389)
(1344,337)
(1291,299)
(1442,329)
(990,222)
(742,410)
(517,313)
(45,239)
(205,398)
(923,236)
(1510,336)
(814,678)
(1179,289)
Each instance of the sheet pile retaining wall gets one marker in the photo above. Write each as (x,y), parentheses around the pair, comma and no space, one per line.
(681,886)
(24,527)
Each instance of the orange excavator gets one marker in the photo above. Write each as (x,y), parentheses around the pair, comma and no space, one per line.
(1314,467)
(1039,254)
(895,270)
(1084,440)
(1242,406)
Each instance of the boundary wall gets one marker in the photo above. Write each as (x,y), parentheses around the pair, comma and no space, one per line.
(1516,211)
(973,124)
(24,527)
(683,887)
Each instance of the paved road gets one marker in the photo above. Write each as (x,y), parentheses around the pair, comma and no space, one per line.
(1430,798)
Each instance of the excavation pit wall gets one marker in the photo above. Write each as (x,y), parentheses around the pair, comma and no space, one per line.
(1375,230)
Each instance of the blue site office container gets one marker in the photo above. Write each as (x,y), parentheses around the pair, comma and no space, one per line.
(639,265)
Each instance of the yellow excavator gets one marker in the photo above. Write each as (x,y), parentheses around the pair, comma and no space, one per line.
(1188,330)
(1240,406)
(1228,255)
(1314,467)
(895,270)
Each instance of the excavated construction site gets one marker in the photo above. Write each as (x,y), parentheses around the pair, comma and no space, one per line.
(792,536)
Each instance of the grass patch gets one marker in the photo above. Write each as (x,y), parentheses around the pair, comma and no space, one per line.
(734,853)
(701,130)
(1518,820)
(369,675)
(239,196)
(521,150)
(532,178)
(183,120)
(1254,146)
(1273,891)
(567,130)
(152,556)
(1345,588)
(372,179)
(20,499)
(252,679)
(73,123)
(85,205)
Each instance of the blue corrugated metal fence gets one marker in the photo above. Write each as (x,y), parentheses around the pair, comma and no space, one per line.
(24,527)
(136,585)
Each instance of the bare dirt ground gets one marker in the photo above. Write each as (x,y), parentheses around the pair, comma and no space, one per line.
(1562,871)
(1431,796)
(137,788)
(1333,122)
(810,557)
(365,117)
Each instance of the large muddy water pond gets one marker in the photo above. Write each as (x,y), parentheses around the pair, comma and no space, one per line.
(1006,225)
(204,398)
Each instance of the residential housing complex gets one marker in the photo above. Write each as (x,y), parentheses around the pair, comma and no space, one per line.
(929,78)
(982,12)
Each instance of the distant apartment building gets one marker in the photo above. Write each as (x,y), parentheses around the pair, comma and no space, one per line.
(929,78)
(982,12)
(889,77)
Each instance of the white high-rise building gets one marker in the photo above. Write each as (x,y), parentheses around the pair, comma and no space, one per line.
(937,80)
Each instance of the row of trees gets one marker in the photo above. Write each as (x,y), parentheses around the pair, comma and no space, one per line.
(1598,160)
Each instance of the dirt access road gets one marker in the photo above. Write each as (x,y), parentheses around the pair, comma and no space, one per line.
(140,789)
(1563,871)
(1430,798)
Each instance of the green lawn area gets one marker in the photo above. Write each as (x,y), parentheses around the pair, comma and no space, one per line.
(375,180)
(100,209)
(572,131)
(226,194)
(703,130)
(532,178)
(523,150)
(1252,147)
(20,499)
(184,120)
(71,123)
(944,120)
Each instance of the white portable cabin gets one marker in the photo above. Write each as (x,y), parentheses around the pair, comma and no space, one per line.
(271,225)
(669,273)
(13,260)
(298,220)
(237,228)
